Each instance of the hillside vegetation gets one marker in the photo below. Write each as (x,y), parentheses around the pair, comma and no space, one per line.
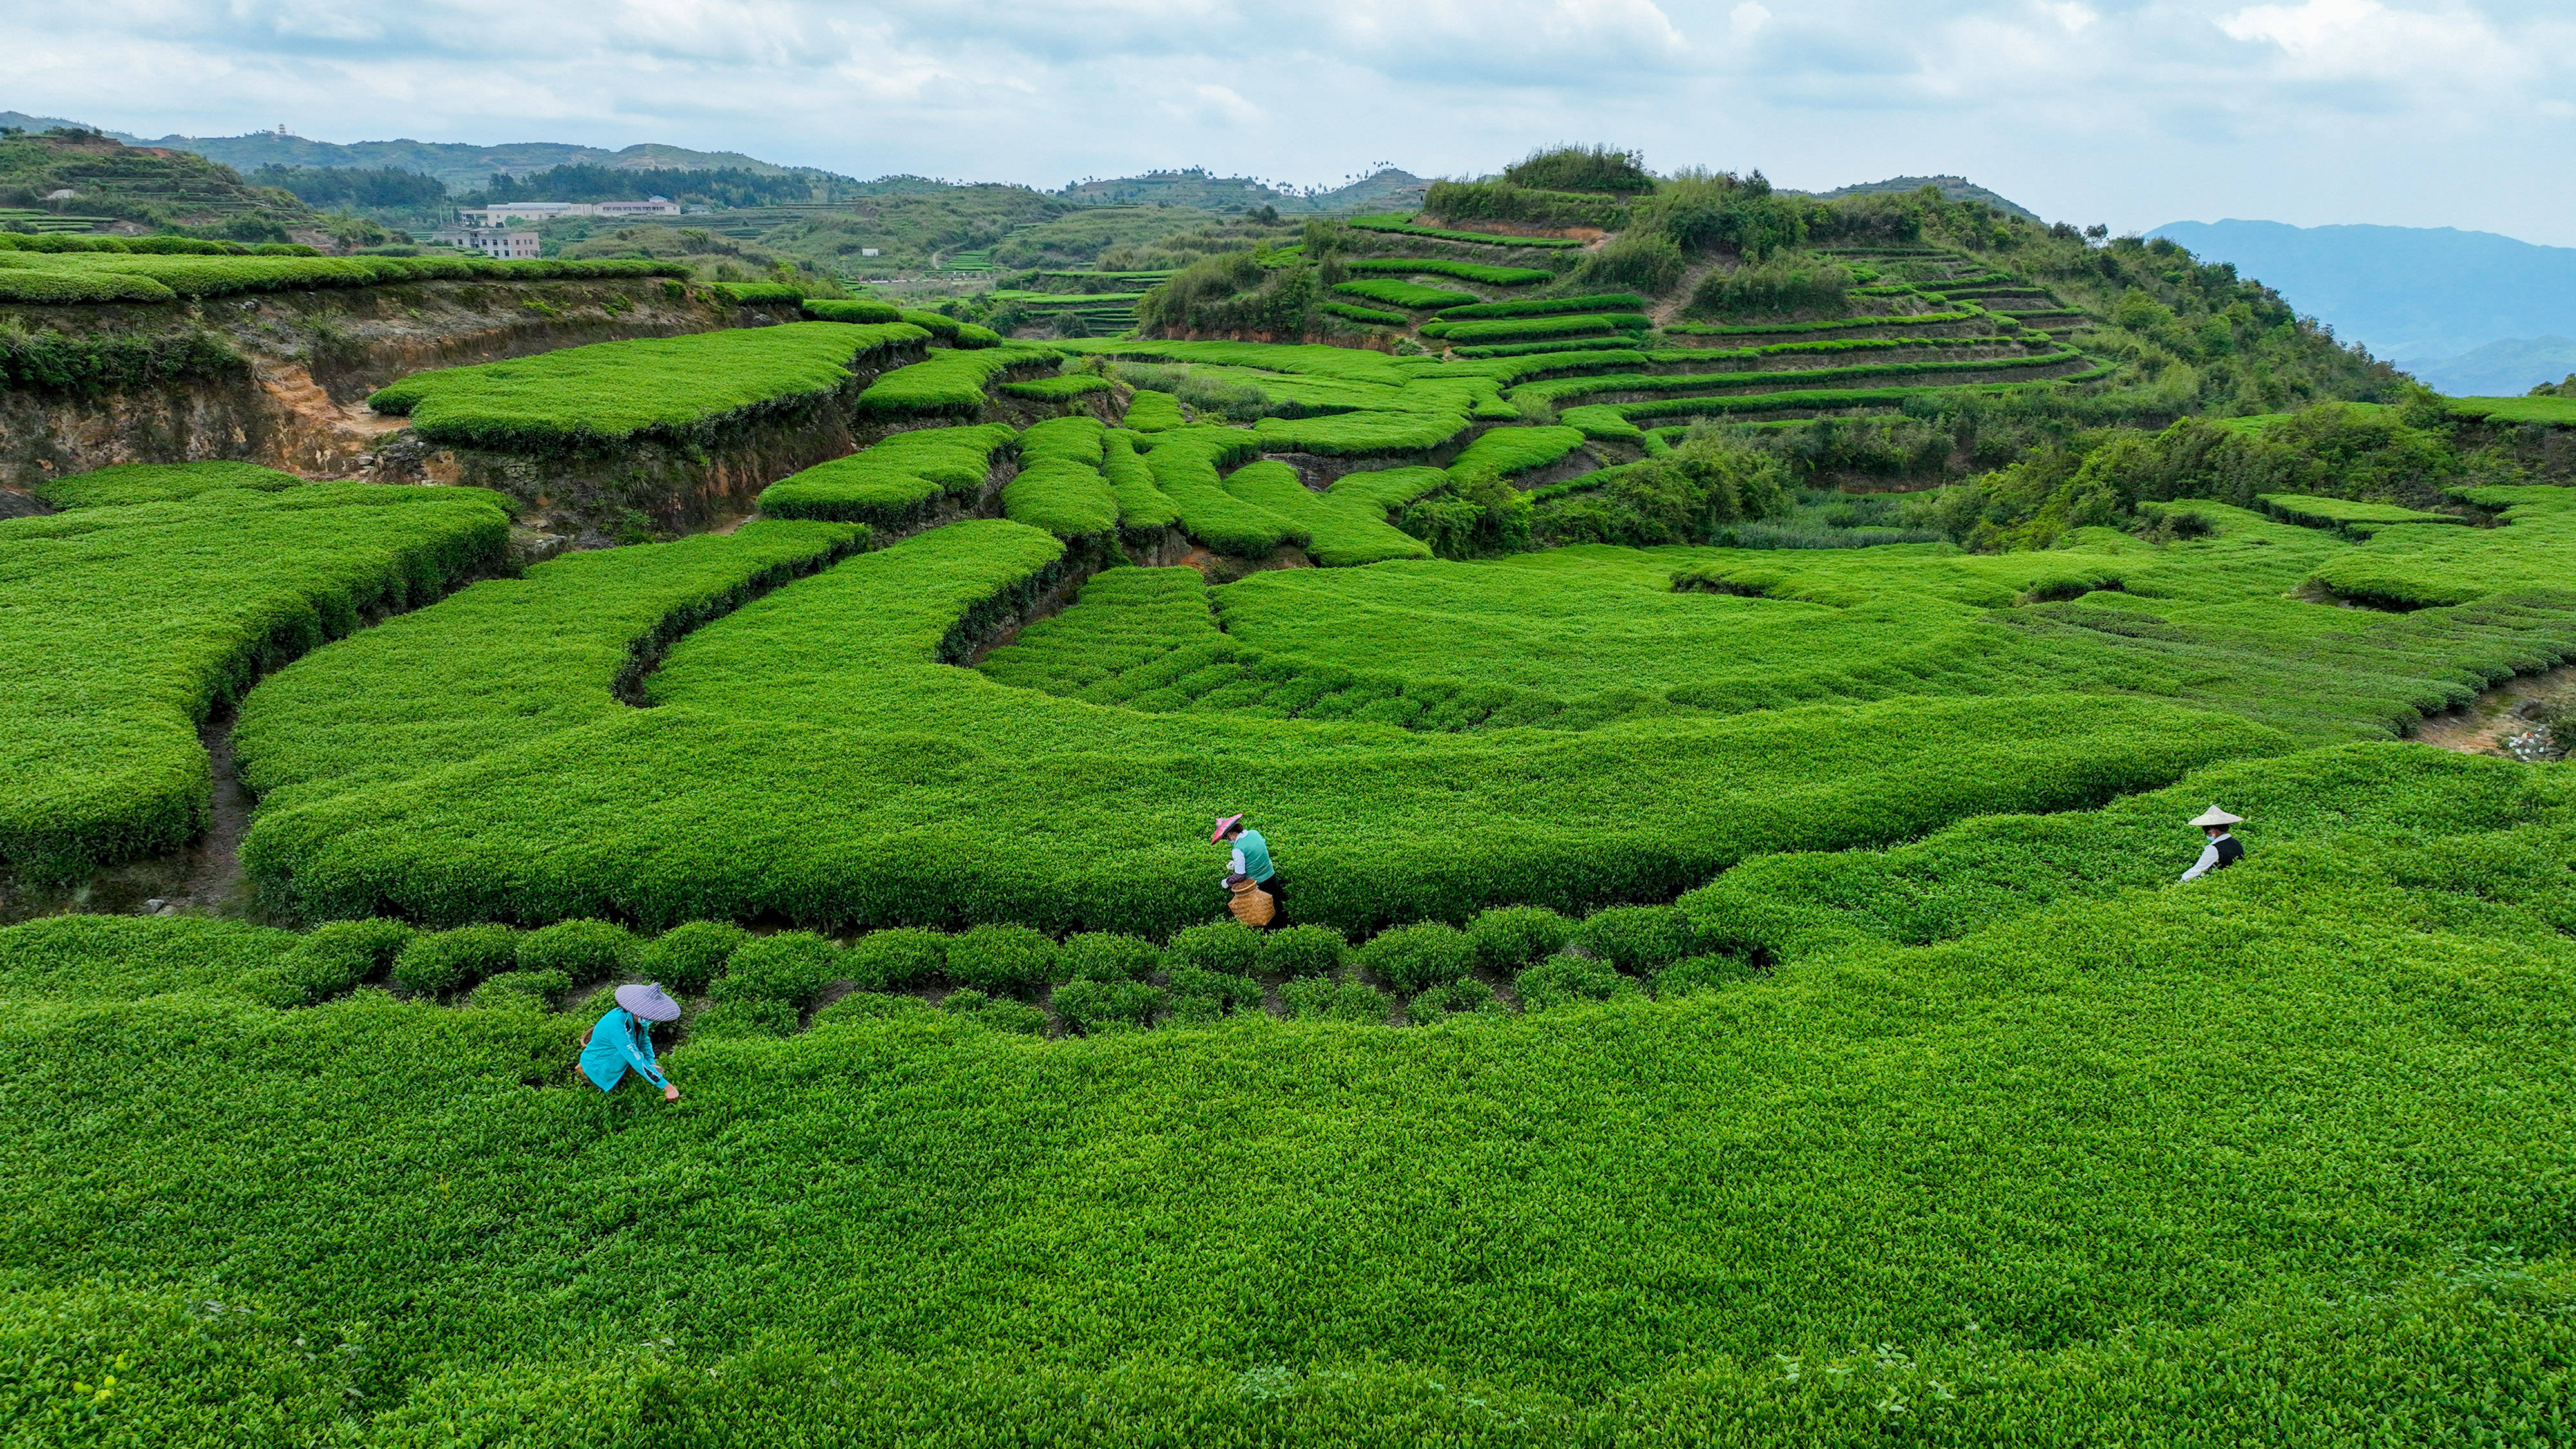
(1725,678)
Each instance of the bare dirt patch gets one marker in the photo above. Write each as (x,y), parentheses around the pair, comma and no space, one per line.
(2502,721)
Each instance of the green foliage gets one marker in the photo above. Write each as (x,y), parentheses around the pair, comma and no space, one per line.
(745,293)
(773,722)
(1299,951)
(1507,938)
(1528,205)
(1184,467)
(1689,495)
(1059,388)
(737,1018)
(1410,958)
(791,967)
(1234,293)
(1568,980)
(1583,168)
(1412,296)
(1106,956)
(1713,972)
(894,485)
(1370,315)
(1466,995)
(445,962)
(689,956)
(1001,958)
(334,959)
(1642,262)
(1697,211)
(1478,516)
(1229,947)
(1547,306)
(1788,284)
(1066,499)
(521,990)
(126,483)
(126,626)
(1344,527)
(1536,328)
(1491,276)
(679,388)
(1096,1006)
(89,363)
(1152,412)
(896,960)
(2329,451)
(865,1006)
(390,694)
(950,384)
(580,951)
(1398,225)
(855,309)
(1636,939)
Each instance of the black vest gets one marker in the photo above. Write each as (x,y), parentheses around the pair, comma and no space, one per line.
(2229,852)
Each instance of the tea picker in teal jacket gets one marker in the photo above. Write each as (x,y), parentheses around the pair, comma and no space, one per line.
(623,1040)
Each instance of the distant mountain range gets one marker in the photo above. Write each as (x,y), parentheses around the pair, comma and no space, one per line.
(468,168)
(2468,312)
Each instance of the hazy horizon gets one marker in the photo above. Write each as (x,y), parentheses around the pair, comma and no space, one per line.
(2134,115)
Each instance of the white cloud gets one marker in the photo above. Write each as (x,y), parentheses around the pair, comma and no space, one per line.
(2363,40)
(2134,112)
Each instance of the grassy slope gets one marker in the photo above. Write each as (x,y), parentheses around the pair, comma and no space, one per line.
(2271,1158)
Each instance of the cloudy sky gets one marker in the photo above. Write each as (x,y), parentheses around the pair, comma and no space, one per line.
(2412,112)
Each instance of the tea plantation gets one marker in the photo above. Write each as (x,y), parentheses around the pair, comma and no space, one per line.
(1723,677)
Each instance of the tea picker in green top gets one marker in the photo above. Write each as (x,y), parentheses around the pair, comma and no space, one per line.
(2223,849)
(623,1040)
(1250,863)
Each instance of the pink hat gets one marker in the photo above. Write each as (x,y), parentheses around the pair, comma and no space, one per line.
(1224,823)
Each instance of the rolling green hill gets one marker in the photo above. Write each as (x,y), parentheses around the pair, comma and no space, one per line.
(1724,678)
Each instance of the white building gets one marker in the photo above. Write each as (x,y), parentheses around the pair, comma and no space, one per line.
(503,213)
(490,241)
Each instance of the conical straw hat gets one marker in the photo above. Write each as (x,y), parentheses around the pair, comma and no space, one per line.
(2215,816)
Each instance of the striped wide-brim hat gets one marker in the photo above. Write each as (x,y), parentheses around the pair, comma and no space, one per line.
(648,1001)
(1224,823)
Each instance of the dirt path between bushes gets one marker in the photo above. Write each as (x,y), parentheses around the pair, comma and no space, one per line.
(2486,724)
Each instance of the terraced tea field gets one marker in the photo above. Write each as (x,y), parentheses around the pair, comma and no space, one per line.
(1732,984)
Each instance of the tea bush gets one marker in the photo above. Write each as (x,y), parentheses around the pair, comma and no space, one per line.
(1406,826)
(336,958)
(834,309)
(1412,296)
(1410,958)
(1441,267)
(893,485)
(740,1017)
(676,388)
(1131,481)
(950,384)
(1106,956)
(687,957)
(1093,1006)
(123,627)
(126,483)
(1298,951)
(791,967)
(1466,994)
(1701,973)
(1066,499)
(1397,225)
(1370,315)
(1507,938)
(1343,529)
(1567,980)
(445,962)
(1001,958)
(897,959)
(1636,939)
(1523,329)
(1619,302)
(1229,947)
(1152,412)
(580,951)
